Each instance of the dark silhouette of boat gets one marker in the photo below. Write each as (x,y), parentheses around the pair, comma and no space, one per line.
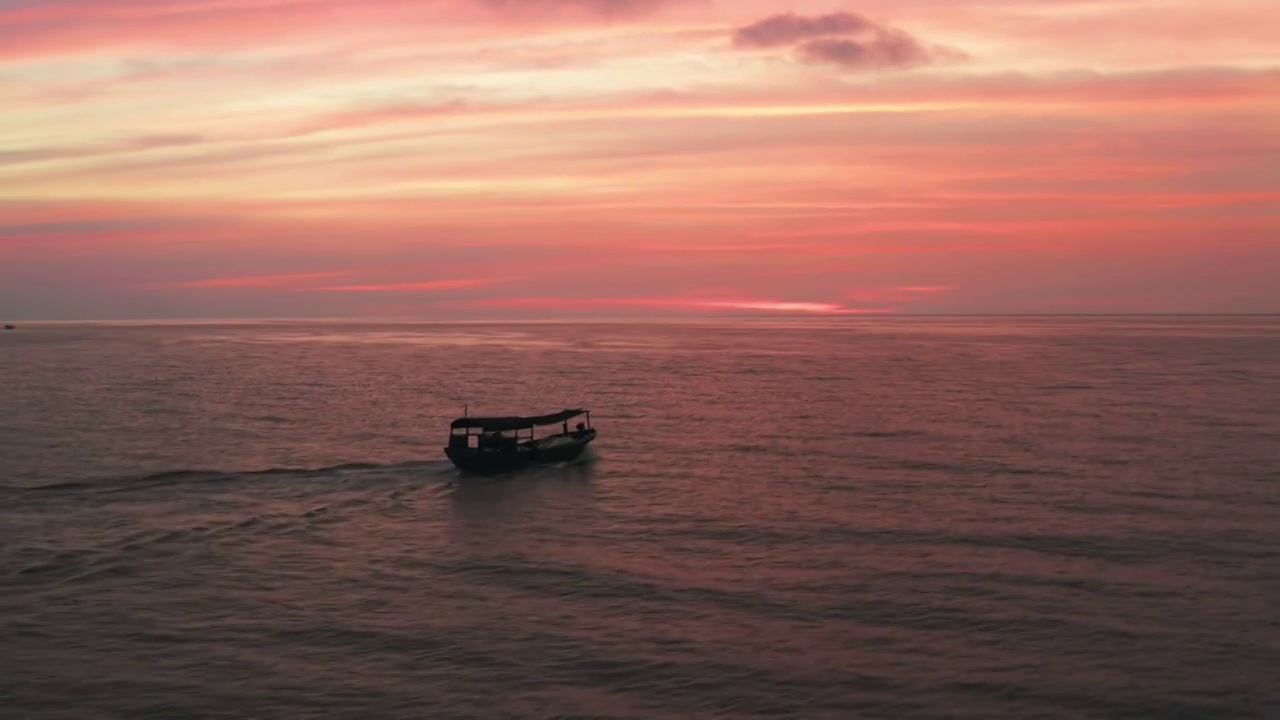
(10,327)
(497,445)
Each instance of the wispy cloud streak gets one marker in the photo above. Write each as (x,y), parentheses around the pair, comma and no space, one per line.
(423,286)
(287,280)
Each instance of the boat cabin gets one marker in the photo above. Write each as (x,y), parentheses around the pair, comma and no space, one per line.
(510,433)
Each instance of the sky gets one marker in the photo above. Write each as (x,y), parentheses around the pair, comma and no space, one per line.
(474,159)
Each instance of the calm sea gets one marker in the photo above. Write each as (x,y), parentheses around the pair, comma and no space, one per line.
(928,518)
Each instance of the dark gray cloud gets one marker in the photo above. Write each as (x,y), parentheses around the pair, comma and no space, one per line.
(787,28)
(883,50)
(843,38)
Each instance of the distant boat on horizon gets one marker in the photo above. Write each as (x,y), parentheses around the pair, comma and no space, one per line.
(10,327)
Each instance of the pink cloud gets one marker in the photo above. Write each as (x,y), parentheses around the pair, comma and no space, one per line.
(912,289)
(896,295)
(79,26)
(425,286)
(263,281)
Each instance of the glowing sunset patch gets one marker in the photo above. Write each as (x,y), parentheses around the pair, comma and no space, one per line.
(774,306)
(578,304)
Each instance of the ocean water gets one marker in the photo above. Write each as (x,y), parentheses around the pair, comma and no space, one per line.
(885,518)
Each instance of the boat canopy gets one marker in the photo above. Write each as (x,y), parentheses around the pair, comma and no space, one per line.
(514,422)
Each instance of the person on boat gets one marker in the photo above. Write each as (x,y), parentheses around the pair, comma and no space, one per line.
(581,430)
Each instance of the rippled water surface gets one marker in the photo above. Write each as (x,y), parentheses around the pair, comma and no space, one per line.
(931,518)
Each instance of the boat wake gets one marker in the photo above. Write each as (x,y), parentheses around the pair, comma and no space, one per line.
(171,478)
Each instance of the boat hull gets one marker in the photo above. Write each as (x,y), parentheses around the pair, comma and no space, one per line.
(547,451)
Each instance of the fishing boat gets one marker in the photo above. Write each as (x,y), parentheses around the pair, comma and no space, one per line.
(497,445)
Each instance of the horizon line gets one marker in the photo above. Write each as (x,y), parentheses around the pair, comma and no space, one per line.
(616,319)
